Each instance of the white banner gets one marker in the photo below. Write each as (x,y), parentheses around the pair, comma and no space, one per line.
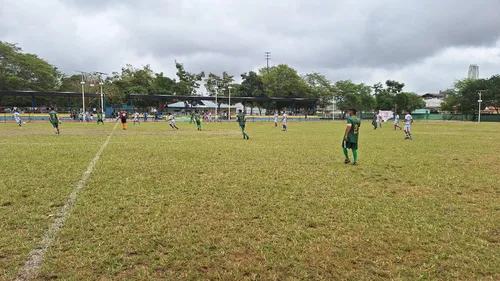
(386,115)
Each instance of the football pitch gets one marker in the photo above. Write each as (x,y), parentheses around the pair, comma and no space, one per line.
(161,204)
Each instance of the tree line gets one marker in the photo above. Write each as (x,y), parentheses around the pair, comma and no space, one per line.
(464,95)
(24,71)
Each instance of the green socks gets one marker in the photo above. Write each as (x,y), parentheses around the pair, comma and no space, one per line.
(355,154)
(346,153)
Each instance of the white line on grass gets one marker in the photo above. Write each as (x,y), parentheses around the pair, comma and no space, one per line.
(35,257)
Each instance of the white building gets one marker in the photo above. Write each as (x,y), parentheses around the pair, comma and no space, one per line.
(473,71)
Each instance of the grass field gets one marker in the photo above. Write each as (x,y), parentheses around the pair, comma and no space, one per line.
(188,205)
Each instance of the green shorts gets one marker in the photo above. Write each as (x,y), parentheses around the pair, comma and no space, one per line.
(198,122)
(242,126)
(99,120)
(350,145)
(55,124)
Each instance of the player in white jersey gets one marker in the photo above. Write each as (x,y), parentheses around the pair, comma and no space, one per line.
(276,119)
(17,117)
(396,121)
(284,121)
(172,121)
(379,120)
(408,122)
(209,116)
(136,118)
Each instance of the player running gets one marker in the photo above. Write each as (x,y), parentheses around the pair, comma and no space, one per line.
(99,118)
(396,121)
(351,137)
(276,119)
(136,118)
(241,119)
(123,118)
(54,120)
(172,121)
(284,120)
(409,122)
(17,117)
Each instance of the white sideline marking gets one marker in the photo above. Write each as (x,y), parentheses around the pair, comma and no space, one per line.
(35,257)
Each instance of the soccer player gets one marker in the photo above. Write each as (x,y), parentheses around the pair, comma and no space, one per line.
(172,121)
(209,116)
(351,137)
(396,121)
(123,118)
(276,119)
(241,119)
(379,119)
(192,118)
(409,122)
(374,121)
(197,118)
(136,118)
(284,120)
(17,117)
(99,118)
(54,120)
(145,116)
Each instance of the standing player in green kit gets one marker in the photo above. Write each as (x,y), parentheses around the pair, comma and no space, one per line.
(240,117)
(351,137)
(54,120)
(197,118)
(99,118)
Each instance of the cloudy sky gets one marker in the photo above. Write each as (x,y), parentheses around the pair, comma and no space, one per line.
(426,44)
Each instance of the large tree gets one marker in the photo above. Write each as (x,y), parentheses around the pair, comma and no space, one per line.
(252,86)
(464,95)
(188,83)
(24,71)
(216,84)
(351,95)
(320,87)
(283,81)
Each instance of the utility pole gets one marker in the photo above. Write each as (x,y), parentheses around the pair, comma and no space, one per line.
(268,57)
(479,101)
(101,83)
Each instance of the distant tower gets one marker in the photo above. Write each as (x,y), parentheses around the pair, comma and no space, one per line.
(473,71)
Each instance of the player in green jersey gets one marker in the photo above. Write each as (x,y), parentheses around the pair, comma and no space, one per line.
(54,120)
(197,118)
(351,137)
(241,119)
(99,118)
(193,120)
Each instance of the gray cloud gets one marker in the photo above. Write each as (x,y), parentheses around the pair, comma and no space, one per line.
(362,40)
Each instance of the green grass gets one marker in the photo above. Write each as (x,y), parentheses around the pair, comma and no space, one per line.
(188,205)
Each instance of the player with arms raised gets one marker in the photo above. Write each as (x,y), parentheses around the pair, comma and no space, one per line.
(409,122)
(351,137)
